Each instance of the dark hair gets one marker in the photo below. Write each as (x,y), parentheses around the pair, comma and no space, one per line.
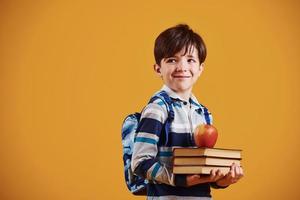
(174,39)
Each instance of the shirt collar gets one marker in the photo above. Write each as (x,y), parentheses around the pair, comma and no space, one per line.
(193,100)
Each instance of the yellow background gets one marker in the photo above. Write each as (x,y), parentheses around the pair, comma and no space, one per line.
(70,72)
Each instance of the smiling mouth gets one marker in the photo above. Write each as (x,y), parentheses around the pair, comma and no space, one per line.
(181,76)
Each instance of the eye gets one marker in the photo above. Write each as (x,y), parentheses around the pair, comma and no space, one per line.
(191,60)
(171,60)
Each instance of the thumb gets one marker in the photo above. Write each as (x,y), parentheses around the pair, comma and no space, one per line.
(194,176)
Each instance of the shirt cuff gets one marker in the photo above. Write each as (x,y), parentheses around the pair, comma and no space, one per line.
(216,186)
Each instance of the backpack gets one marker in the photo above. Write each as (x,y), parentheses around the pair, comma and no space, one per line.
(138,185)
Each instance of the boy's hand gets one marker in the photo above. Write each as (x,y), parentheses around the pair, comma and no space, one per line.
(197,178)
(235,174)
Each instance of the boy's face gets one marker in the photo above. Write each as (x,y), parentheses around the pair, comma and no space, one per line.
(180,72)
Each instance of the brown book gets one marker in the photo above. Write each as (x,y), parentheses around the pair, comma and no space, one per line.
(211,152)
(184,169)
(205,161)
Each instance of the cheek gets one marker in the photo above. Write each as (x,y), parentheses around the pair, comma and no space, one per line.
(168,72)
(197,75)
(196,72)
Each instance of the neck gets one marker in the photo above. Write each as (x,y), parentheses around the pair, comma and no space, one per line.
(185,94)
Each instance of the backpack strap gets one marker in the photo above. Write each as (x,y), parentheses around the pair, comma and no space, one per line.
(206,116)
(168,102)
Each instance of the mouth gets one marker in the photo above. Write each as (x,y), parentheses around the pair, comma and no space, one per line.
(181,76)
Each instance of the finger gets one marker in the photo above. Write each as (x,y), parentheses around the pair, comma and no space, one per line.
(212,174)
(192,179)
(237,170)
(196,176)
(241,173)
(232,165)
(232,172)
(236,173)
(219,174)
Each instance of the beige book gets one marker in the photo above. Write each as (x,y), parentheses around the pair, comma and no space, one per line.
(183,169)
(211,152)
(205,161)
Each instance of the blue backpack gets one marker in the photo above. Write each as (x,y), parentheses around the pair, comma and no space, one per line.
(138,185)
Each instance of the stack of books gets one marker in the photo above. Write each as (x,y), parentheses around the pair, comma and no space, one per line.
(203,160)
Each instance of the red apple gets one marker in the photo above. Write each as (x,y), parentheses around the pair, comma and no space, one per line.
(205,135)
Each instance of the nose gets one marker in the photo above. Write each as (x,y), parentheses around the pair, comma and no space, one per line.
(182,66)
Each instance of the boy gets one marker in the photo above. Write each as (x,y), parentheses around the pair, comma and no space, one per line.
(179,54)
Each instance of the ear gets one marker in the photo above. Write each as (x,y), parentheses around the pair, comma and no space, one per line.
(157,68)
(201,67)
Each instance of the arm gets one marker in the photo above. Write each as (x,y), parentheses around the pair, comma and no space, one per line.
(144,162)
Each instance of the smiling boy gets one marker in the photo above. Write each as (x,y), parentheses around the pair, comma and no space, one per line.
(179,54)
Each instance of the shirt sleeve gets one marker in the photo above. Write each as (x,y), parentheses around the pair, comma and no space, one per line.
(144,162)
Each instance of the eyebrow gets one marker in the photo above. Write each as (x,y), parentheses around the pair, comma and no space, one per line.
(190,56)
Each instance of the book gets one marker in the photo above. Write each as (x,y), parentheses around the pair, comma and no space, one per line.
(198,169)
(211,152)
(205,161)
